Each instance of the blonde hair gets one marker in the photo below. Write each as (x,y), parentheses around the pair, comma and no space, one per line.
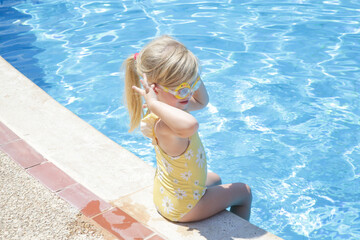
(165,61)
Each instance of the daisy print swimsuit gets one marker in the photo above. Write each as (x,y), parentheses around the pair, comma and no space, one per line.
(179,182)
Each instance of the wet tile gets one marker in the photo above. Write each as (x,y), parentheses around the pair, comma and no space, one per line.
(51,176)
(6,135)
(23,153)
(122,225)
(79,196)
(156,237)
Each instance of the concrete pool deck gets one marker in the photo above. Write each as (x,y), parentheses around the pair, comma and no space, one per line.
(45,216)
(109,185)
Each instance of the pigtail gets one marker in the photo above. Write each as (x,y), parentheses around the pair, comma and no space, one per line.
(133,99)
(166,62)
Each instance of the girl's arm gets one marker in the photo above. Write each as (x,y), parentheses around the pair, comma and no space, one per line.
(178,122)
(199,100)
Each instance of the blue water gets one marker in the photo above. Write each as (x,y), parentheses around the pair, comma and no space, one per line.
(283,79)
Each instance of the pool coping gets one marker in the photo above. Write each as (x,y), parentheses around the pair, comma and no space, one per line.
(107,183)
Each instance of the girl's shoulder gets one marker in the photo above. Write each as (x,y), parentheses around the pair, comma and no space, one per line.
(147,125)
(170,143)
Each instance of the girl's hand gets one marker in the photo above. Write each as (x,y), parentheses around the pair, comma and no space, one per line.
(199,99)
(148,92)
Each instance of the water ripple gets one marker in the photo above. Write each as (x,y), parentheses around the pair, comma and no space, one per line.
(283,85)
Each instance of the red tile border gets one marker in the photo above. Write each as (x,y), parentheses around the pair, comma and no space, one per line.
(6,135)
(121,225)
(114,221)
(80,197)
(23,153)
(51,176)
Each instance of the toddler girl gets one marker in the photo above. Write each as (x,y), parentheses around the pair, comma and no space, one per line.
(183,189)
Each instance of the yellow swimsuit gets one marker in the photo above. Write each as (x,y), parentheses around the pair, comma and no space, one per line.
(180,181)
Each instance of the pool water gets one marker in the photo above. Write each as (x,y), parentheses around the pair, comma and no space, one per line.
(283,79)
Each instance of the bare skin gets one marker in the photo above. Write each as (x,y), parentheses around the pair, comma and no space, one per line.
(173,130)
(212,179)
(218,198)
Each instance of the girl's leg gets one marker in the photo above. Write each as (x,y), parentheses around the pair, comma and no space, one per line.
(212,179)
(218,198)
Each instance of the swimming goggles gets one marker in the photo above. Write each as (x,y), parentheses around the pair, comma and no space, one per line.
(184,89)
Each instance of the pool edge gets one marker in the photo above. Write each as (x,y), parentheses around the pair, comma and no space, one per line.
(93,160)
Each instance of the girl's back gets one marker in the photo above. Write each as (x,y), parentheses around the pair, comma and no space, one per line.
(183,190)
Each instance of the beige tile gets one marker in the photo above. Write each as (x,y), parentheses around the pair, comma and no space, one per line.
(99,164)
(74,146)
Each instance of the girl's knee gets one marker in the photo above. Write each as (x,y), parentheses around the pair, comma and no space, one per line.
(245,191)
(213,179)
(249,191)
(218,180)
(248,194)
